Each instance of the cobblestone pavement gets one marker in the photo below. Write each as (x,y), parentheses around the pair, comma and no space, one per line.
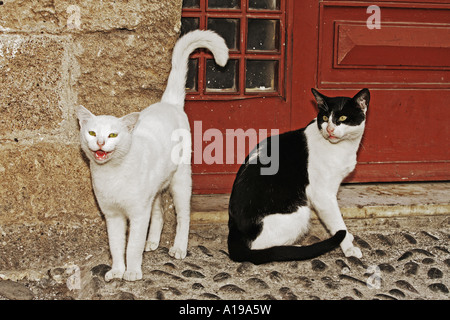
(403,258)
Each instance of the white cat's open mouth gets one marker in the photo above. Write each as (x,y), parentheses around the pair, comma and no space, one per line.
(101,155)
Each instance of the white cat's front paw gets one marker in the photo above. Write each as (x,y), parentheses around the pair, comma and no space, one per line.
(353,252)
(151,246)
(132,275)
(114,274)
(177,253)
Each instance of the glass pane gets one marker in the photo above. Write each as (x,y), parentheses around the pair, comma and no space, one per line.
(224,4)
(191,79)
(191,3)
(263,35)
(221,79)
(261,76)
(264,4)
(189,24)
(228,29)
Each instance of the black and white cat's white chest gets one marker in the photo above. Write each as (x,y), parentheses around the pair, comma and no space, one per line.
(327,161)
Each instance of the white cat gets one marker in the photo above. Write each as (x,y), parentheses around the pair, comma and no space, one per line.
(130,161)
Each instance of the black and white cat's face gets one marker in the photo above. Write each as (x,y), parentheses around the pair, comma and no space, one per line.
(105,137)
(342,118)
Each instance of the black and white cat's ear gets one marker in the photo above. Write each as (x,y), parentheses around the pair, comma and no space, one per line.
(321,99)
(84,115)
(130,120)
(362,99)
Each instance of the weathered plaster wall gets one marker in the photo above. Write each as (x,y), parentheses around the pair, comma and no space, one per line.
(111,56)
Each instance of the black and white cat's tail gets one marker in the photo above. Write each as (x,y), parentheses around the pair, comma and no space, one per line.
(175,90)
(240,252)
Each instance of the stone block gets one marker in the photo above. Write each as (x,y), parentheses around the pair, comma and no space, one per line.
(59,16)
(122,54)
(45,182)
(121,71)
(124,68)
(32,80)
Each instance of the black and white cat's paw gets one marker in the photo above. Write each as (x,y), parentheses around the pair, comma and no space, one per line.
(353,252)
(348,248)
(177,253)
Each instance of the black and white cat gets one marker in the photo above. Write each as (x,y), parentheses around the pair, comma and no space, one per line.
(268,213)
(131,161)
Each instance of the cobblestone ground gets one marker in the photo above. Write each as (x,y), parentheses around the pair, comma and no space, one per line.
(403,258)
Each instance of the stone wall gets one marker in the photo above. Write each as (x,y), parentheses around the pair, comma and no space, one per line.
(113,57)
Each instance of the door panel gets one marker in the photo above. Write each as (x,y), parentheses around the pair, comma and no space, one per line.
(410,50)
(396,46)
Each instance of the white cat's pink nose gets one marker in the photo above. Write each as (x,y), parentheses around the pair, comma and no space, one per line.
(100,143)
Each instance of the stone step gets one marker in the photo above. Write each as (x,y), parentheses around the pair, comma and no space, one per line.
(373,200)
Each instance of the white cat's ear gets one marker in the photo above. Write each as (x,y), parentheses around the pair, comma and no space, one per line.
(320,98)
(130,120)
(84,115)
(362,99)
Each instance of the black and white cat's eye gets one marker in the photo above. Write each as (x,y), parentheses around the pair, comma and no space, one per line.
(342,118)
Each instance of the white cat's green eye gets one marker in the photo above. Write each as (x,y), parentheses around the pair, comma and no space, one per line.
(92,133)
(112,135)
(325,118)
(342,118)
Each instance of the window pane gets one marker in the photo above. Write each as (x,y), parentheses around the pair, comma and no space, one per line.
(224,4)
(223,79)
(191,79)
(261,76)
(189,24)
(263,35)
(191,3)
(228,29)
(264,4)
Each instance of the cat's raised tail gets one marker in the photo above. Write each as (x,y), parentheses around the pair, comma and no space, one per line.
(240,252)
(175,90)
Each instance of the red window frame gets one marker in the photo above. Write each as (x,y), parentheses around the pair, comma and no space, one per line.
(242,54)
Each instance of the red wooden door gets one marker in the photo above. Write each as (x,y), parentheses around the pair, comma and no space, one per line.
(405,64)
(230,109)
(326,45)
